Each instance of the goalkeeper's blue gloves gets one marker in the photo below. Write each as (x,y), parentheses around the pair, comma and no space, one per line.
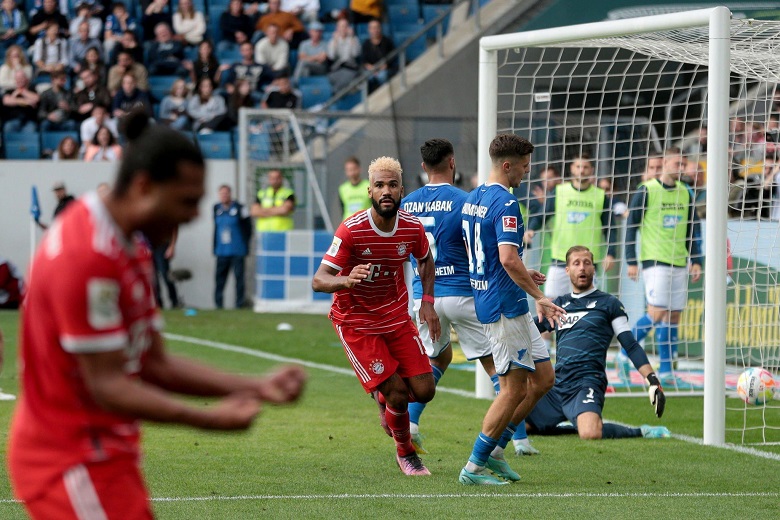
(656,394)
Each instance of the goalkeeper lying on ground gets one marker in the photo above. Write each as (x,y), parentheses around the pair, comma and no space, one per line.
(583,337)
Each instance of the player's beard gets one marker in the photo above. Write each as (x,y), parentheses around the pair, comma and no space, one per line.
(582,285)
(386,213)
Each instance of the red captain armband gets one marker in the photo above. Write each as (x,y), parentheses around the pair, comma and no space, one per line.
(428,298)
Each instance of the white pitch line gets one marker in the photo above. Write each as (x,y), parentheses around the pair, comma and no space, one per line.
(463,393)
(492,496)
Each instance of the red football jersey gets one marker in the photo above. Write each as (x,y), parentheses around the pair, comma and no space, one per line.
(379,303)
(89,291)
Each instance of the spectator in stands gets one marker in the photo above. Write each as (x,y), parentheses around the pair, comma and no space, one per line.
(56,106)
(93,61)
(20,106)
(173,108)
(189,24)
(312,54)
(242,96)
(343,53)
(92,93)
(43,18)
(84,13)
(289,26)
(100,117)
(375,51)
(118,23)
(281,95)
(15,59)
(273,51)
(258,75)
(205,64)
(127,43)
(307,10)
(67,150)
(13,26)
(126,64)
(207,111)
(166,55)
(50,53)
(155,13)
(80,44)
(103,147)
(235,25)
(130,98)
(362,11)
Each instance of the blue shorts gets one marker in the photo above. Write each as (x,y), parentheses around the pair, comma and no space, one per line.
(558,405)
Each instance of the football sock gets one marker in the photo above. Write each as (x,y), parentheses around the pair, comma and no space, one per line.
(673,340)
(616,431)
(642,327)
(399,425)
(480,453)
(507,435)
(662,336)
(496,385)
(415,408)
(520,433)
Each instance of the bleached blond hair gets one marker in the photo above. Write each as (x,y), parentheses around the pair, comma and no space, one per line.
(384,164)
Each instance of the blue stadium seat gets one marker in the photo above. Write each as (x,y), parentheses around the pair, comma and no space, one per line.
(217,145)
(259,147)
(160,86)
(229,56)
(215,13)
(319,81)
(349,101)
(51,140)
(415,48)
(403,14)
(22,145)
(408,3)
(314,94)
(431,11)
(326,6)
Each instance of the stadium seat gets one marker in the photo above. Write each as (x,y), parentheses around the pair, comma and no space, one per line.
(403,14)
(314,94)
(415,48)
(407,3)
(430,12)
(319,81)
(160,86)
(229,55)
(22,145)
(215,13)
(51,140)
(259,146)
(349,101)
(217,145)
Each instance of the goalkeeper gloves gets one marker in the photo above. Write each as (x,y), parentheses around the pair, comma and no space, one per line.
(656,394)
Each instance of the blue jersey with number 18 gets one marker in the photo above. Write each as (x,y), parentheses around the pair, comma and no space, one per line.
(438,208)
(491,217)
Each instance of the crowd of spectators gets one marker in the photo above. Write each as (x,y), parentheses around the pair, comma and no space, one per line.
(67,65)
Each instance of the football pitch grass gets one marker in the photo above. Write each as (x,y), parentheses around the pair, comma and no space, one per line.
(327,457)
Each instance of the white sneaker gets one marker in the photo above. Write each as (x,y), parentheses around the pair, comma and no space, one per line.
(525,448)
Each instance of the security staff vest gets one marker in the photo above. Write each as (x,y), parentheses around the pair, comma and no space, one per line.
(354,198)
(269,199)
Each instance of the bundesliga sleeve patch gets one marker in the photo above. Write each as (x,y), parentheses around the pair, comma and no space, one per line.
(334,247)
(510,224)
(103,303)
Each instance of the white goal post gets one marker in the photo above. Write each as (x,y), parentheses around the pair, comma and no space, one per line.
(718,21)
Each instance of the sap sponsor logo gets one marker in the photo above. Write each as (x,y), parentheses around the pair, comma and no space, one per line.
(571,319)
(671,221)
(576,217)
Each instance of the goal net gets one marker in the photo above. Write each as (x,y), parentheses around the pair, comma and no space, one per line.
(622,92)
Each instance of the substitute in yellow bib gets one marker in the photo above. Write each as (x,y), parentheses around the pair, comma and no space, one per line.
(353,193)
(275,205)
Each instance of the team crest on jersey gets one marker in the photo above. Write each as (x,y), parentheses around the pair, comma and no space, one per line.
(377,367)
(510,224)
(334,247)
(402,249)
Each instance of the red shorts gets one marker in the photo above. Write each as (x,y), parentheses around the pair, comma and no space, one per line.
(112,489)
(376,357)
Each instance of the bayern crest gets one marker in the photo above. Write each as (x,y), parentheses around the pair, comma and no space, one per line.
(377,366)
(402,249)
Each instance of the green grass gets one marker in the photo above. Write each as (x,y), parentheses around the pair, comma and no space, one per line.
(327,457)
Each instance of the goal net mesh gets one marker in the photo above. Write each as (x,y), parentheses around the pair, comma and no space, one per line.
(622,100)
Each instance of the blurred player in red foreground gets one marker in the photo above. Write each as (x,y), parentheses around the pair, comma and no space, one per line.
(92,354)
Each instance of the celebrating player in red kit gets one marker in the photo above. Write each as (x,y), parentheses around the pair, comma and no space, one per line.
(93,361)
(364,267)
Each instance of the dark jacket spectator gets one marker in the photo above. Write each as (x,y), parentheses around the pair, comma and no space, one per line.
(235,26)
(130,98)
(56,106)
(13,25)
(375,49)
(47,15)
(20,106)
(155,12)
(166,55)
(92,93)
(258,75)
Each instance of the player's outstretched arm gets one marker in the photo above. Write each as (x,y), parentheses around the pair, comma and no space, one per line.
(516,270)
(654,390)
(328,280)
(113,390)
(427,313)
